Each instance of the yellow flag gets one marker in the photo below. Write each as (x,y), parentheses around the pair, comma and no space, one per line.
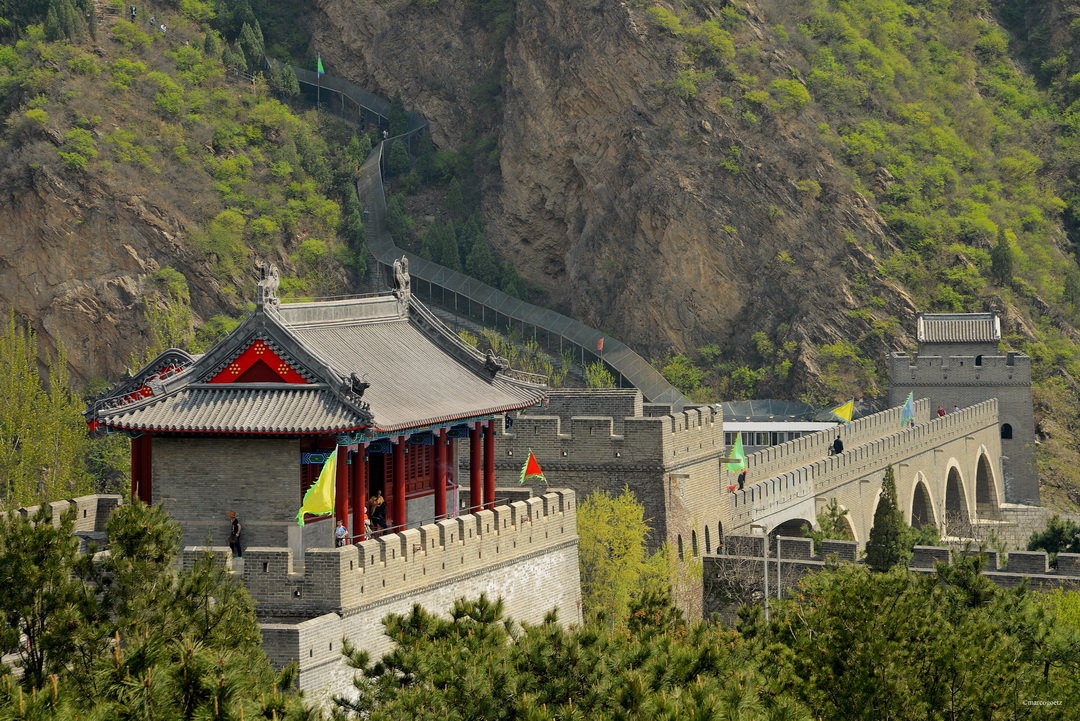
(845,411)
(319,499)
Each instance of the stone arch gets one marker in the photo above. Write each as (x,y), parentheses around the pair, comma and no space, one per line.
(957,517)
(693,543)
(680,547)
(987,500)
(794,527)
(1006,431)
(922,505)
(708,548)
(850,526)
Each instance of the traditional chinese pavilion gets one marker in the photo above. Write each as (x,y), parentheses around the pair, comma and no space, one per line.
(248,426)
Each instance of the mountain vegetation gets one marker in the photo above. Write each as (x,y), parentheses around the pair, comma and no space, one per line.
(852,644)
(125,635)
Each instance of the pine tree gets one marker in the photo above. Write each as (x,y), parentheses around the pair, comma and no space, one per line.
(398,118)
(425,161)
(887,545)
(481,264)
(212,45)
(397,160)
(251,42)
(455,200)
(128,632)
(1002,259)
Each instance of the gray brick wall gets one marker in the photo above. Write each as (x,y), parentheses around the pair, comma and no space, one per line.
(948,380)
(91,512)
(670,462)
(200,479)
(525,553)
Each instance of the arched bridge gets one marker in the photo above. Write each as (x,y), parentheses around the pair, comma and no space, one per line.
(948,474)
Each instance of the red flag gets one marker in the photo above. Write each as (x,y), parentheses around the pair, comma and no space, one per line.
(600,345)
(531,468)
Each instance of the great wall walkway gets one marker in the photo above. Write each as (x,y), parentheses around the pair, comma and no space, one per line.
(467,296)
(948,474)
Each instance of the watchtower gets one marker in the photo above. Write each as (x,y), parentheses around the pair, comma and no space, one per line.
(959,364)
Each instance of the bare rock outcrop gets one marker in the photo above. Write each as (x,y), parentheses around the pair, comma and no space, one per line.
(670,223)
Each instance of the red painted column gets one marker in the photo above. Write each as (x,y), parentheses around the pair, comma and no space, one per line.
(399,483)
(136,468)
(475,464)
(341,485)
(359,492)
(146,482)
(489,465)
(440,475)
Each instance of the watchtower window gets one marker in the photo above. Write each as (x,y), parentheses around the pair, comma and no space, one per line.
(1006,431)
(978,360)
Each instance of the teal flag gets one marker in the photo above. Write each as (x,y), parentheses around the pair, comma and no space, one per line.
(908,414)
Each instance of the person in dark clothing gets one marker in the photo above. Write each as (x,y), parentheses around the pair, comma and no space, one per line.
(234,535)
(742,479)
(837,446)
(378,514)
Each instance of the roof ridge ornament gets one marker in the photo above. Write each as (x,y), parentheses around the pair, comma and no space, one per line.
(493,363)
(267,288)
(402,282)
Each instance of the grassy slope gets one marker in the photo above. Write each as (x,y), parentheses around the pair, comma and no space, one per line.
(934,120)
(155,116)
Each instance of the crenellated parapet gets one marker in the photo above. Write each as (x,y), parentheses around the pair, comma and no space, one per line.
(774,487)
(91,512)
(814,447)
(370,572)
(952,371)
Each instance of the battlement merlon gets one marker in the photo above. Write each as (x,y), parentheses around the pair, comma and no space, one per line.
(1013,368)
(676,438)
(91,512)
(337,579)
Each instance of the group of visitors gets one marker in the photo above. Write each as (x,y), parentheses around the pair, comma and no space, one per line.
(941,410)
(375,524)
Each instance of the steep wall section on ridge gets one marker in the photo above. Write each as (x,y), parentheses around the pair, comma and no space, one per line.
(610,193)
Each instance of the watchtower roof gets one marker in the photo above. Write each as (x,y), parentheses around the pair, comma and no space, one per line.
(959,328)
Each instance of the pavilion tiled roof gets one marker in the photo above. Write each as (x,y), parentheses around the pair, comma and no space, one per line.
(277,410)
(382,363)
(959,328)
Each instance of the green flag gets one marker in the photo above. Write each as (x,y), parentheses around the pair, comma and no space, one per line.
(738,454)
(319,68)
(319,499)
(908,413)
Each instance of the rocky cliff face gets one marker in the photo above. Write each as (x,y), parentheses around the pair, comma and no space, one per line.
(74,263)
(625,202)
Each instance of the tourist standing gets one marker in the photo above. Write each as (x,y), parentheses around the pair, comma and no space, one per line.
(234,535)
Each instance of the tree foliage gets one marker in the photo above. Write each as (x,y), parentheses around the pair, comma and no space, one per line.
(616,565)
(887,546)
(831,524)
(1061,535)
(851,644)
(398,118)
(126,635)
(43,438)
